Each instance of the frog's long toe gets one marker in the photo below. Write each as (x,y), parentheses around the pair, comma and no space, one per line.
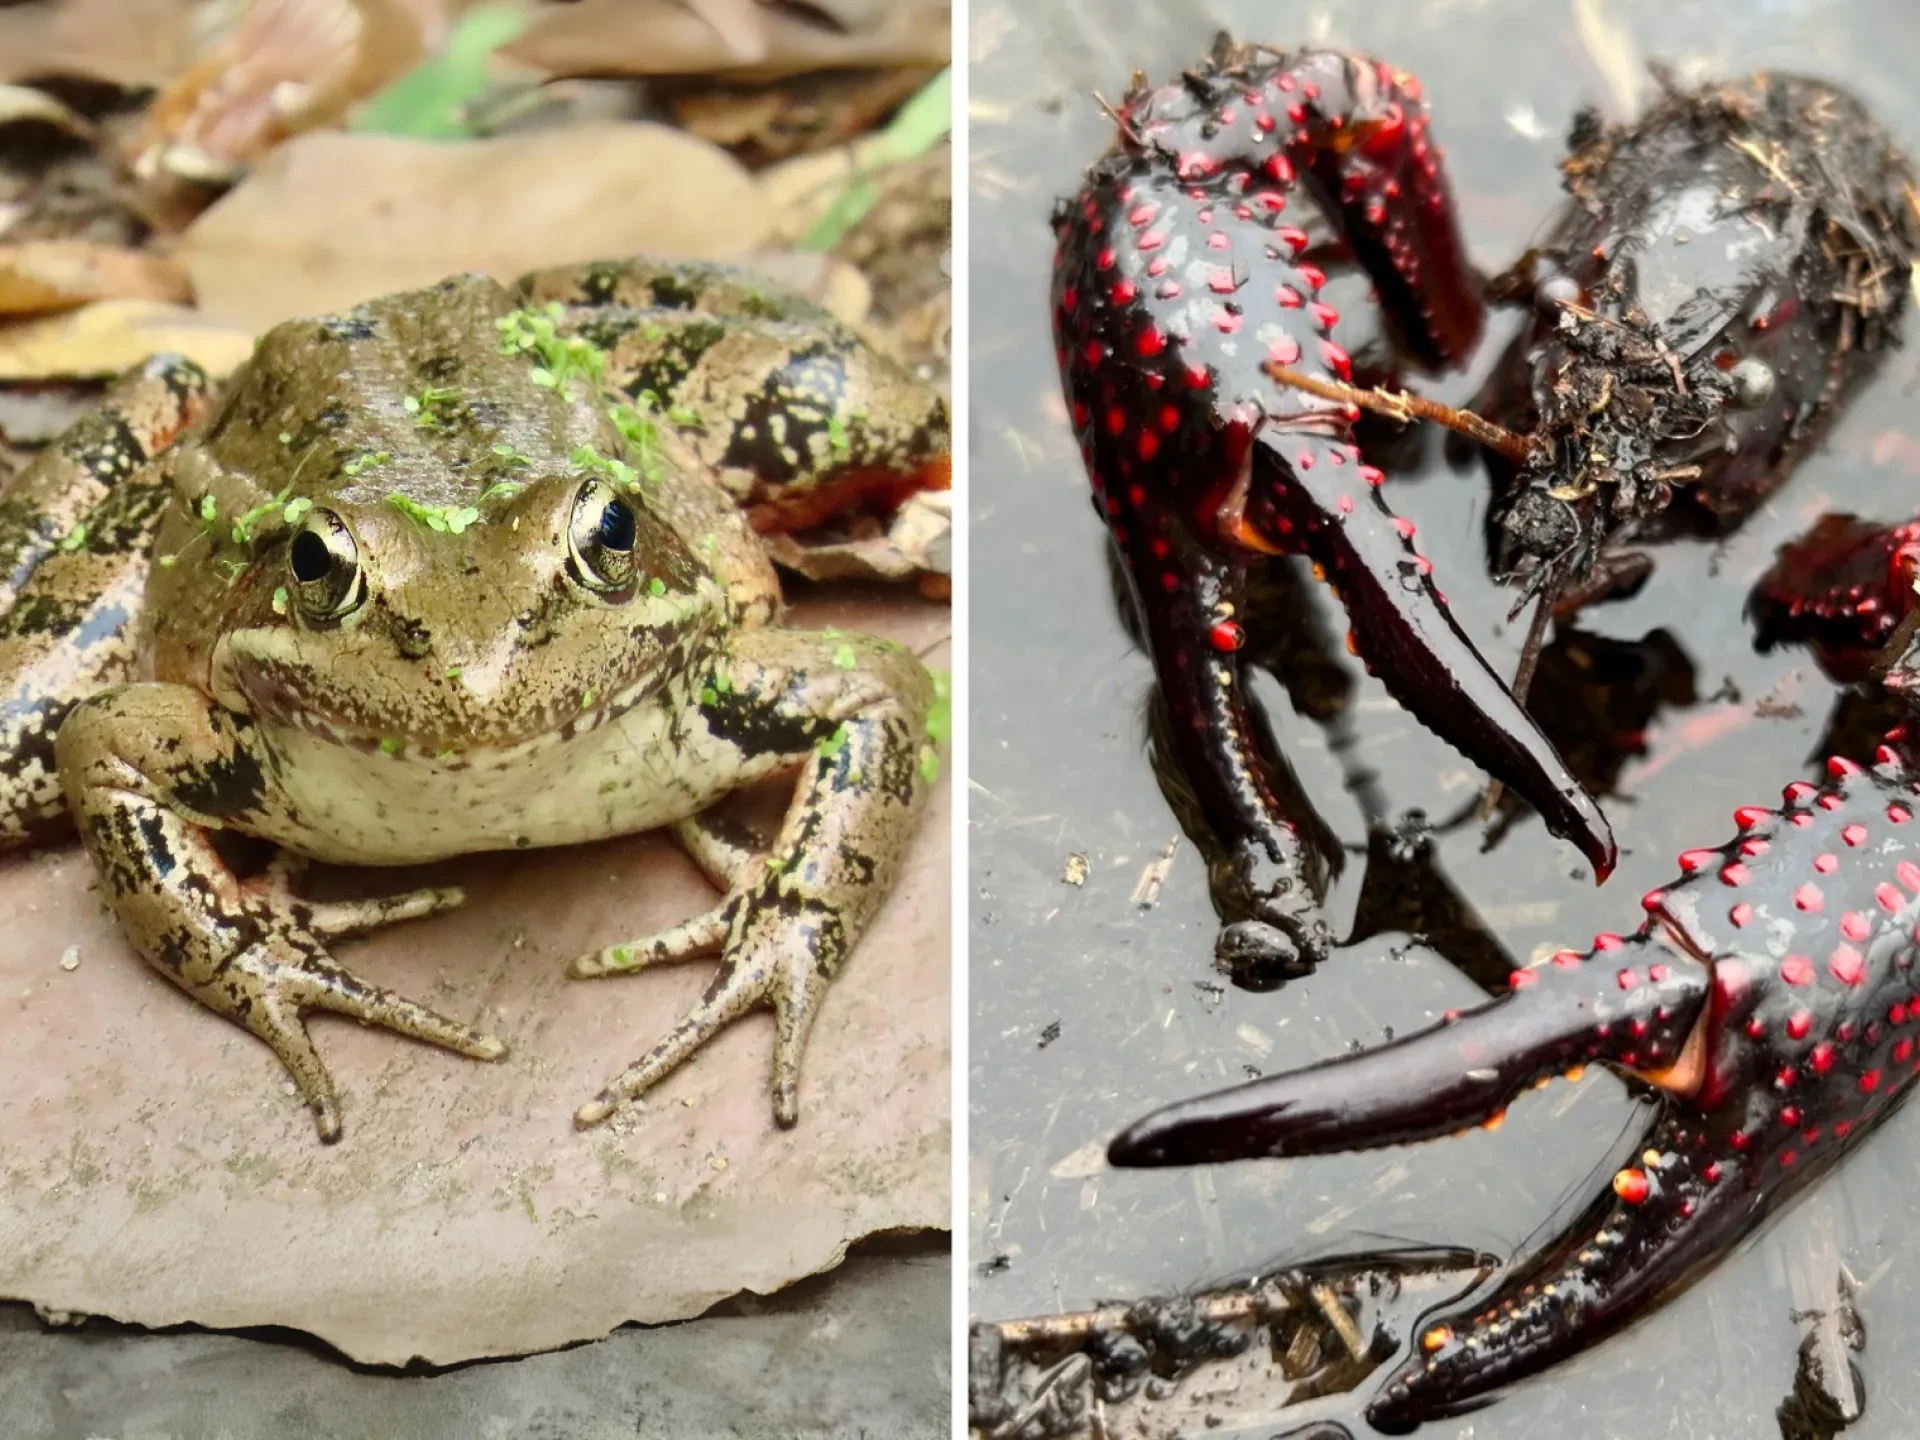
(769,973)
(1770,998)
(338,919)
(270,987)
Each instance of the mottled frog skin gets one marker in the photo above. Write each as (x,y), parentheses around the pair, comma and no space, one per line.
(1181,275)
(459,570)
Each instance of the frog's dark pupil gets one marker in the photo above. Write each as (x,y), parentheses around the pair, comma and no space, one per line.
(616,526)
(311,558)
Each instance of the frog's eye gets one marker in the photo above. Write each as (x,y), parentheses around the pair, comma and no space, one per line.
(325,564)
(603,534)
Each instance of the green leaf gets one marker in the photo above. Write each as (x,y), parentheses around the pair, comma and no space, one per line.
(940,713)
(915,129)
(429,101)
(922,122)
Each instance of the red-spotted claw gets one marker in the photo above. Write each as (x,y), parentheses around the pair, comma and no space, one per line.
(1769,996)
(1844,588)
(1182,274)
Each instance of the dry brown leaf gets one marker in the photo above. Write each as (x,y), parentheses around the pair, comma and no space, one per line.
(330,220)
(23,105)
(108,337)
(737,24)
(799,113)
(287,67)
(45,275)
(916,544)
(126,42)
(659,37)
(159,1171)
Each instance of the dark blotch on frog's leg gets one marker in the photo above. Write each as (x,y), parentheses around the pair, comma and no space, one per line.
(1180,276)
(756,728)
(1779,1050)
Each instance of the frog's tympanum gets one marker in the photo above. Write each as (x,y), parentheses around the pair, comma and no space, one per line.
(459,570)
(1182,274)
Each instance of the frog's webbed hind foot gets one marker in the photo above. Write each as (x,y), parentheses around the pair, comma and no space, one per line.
(791,913)
(130,761)
(270,987)
(762,966)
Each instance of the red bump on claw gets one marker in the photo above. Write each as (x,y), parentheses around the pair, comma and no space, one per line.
(1632,1185)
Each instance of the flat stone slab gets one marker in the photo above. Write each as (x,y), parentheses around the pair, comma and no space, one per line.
(158,1169)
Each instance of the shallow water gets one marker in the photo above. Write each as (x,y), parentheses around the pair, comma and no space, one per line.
(1059,764)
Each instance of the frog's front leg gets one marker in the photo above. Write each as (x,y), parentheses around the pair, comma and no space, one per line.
(149,771)
(851,713)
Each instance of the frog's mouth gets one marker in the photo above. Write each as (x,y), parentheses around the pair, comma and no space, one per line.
(491,702)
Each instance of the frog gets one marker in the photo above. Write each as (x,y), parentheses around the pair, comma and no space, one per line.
(467,568)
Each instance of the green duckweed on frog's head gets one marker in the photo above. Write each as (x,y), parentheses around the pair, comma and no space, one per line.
(461,561)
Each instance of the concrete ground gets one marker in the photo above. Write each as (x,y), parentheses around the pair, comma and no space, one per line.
(861,1352)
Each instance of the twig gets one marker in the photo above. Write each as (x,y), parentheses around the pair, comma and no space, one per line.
(1768,163)
(1070,1371)
(1120,121)
(1404,407)
(1050,1330)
